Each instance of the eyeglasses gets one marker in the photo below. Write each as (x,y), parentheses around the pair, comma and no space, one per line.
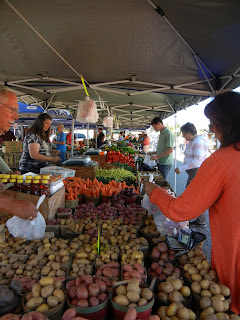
(211,126)
(13,110)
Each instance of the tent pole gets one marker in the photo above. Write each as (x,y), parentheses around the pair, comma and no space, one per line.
(96,136)
(22,132)
(72,140)
(175,151)
(87,135)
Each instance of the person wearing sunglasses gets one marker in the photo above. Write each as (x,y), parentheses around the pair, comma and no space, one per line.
(9,113)
(216,186)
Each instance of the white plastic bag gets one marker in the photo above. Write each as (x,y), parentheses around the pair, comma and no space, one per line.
(26,229)
(108,122)
(149,206)
(87,111)
(149,162)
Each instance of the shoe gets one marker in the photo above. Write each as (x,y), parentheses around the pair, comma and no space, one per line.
(195,223)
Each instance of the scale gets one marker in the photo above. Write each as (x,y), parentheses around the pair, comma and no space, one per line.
(187,240)
(78,160)
(92,152)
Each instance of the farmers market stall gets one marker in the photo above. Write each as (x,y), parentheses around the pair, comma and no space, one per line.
(104,257)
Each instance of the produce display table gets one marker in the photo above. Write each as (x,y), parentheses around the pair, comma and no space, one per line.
(84,171)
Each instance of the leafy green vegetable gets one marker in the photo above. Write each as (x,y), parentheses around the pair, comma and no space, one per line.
(118,175)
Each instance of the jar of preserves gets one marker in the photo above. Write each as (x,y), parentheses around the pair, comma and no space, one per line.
(36,187)
(14,181)
(28,186)
(45,188)
(19,185)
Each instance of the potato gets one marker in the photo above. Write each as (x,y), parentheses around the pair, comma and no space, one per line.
(45,270)
(47,291)
(36,290)
(33,303)
(142,302)
(55,266)
(121,290)
(122,300)
(45,281)
(43,308)
(52,301)
(59,294)
(146,293)
(57,284)
(133,296)
(29,296)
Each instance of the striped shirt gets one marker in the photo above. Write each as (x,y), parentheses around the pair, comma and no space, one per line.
(195,153)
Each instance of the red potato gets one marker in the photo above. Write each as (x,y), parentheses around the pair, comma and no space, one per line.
(162,247)
(110,273)
(70,284)
(99,272)
(87,278)
(171,257)
(37,315)
(72,292)
(131,314)
(83,303)
(164,257)
(167,271)
(155,253)
(139,267)
(127,267)
(161,263)
(154,265)
(110,265)
(102,297)
(162,277)
(74,302)
(82,292)
(69,314)
(26,317)
(169,265)
(135,274)
(93,302)
(93,290)
(158,270)
(10,316)
(102,286)
(78,282)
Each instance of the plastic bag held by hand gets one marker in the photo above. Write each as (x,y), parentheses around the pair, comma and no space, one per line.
(149,162)
(26,229)
(87,111)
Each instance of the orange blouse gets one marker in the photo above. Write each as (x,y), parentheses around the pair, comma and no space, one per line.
(217,187)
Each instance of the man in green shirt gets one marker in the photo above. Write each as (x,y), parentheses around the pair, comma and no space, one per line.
(164,155)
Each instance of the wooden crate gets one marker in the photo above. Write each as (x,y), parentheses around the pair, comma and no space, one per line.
(86,172)
(100,159)
(49,206)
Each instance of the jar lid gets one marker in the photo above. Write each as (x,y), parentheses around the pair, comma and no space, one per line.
(37,177)
(46,177)
(28,181)
(19,180)
(36,181)
(45,181)
(28,177)
(14,176)
(6,176)
(12,180)
(4,180)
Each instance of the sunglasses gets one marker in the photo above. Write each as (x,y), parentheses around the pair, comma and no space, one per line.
(13,110)
(211,126)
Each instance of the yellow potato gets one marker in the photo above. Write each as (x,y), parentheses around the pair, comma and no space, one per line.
(47,291)
(45,281)
(43,308)
(36,290)
(59,294)
(33,303)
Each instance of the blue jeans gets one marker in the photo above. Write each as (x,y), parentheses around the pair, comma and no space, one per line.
(164,169)
(62,156)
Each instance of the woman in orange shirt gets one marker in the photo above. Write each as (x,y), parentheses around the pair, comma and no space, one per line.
(216,186)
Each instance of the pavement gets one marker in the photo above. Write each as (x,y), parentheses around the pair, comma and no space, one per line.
(180,187)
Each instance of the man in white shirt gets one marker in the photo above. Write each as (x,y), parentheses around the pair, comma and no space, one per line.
(121,137)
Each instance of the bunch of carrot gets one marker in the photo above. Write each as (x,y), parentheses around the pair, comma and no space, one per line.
(92,188)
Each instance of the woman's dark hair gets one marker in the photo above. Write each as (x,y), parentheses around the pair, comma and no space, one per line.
(37,127)
(224,112)
(189,128)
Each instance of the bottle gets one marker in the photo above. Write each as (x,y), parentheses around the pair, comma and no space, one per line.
(19,185)
(14,181)
(36,187)
(28,186)
(45,188)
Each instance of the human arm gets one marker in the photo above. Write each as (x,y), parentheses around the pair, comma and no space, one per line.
(21,208)
(163,154)
(4,168)
(33,149)
(177,171)
(202,192)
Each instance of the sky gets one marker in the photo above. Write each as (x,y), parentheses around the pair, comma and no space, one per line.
(193,114)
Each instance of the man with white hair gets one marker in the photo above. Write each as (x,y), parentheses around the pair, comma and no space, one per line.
(8,108)
(61,142)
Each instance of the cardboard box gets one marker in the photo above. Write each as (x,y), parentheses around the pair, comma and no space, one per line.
(100,159)
(49,206)
(86,172)
(11,146)
(65,171)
